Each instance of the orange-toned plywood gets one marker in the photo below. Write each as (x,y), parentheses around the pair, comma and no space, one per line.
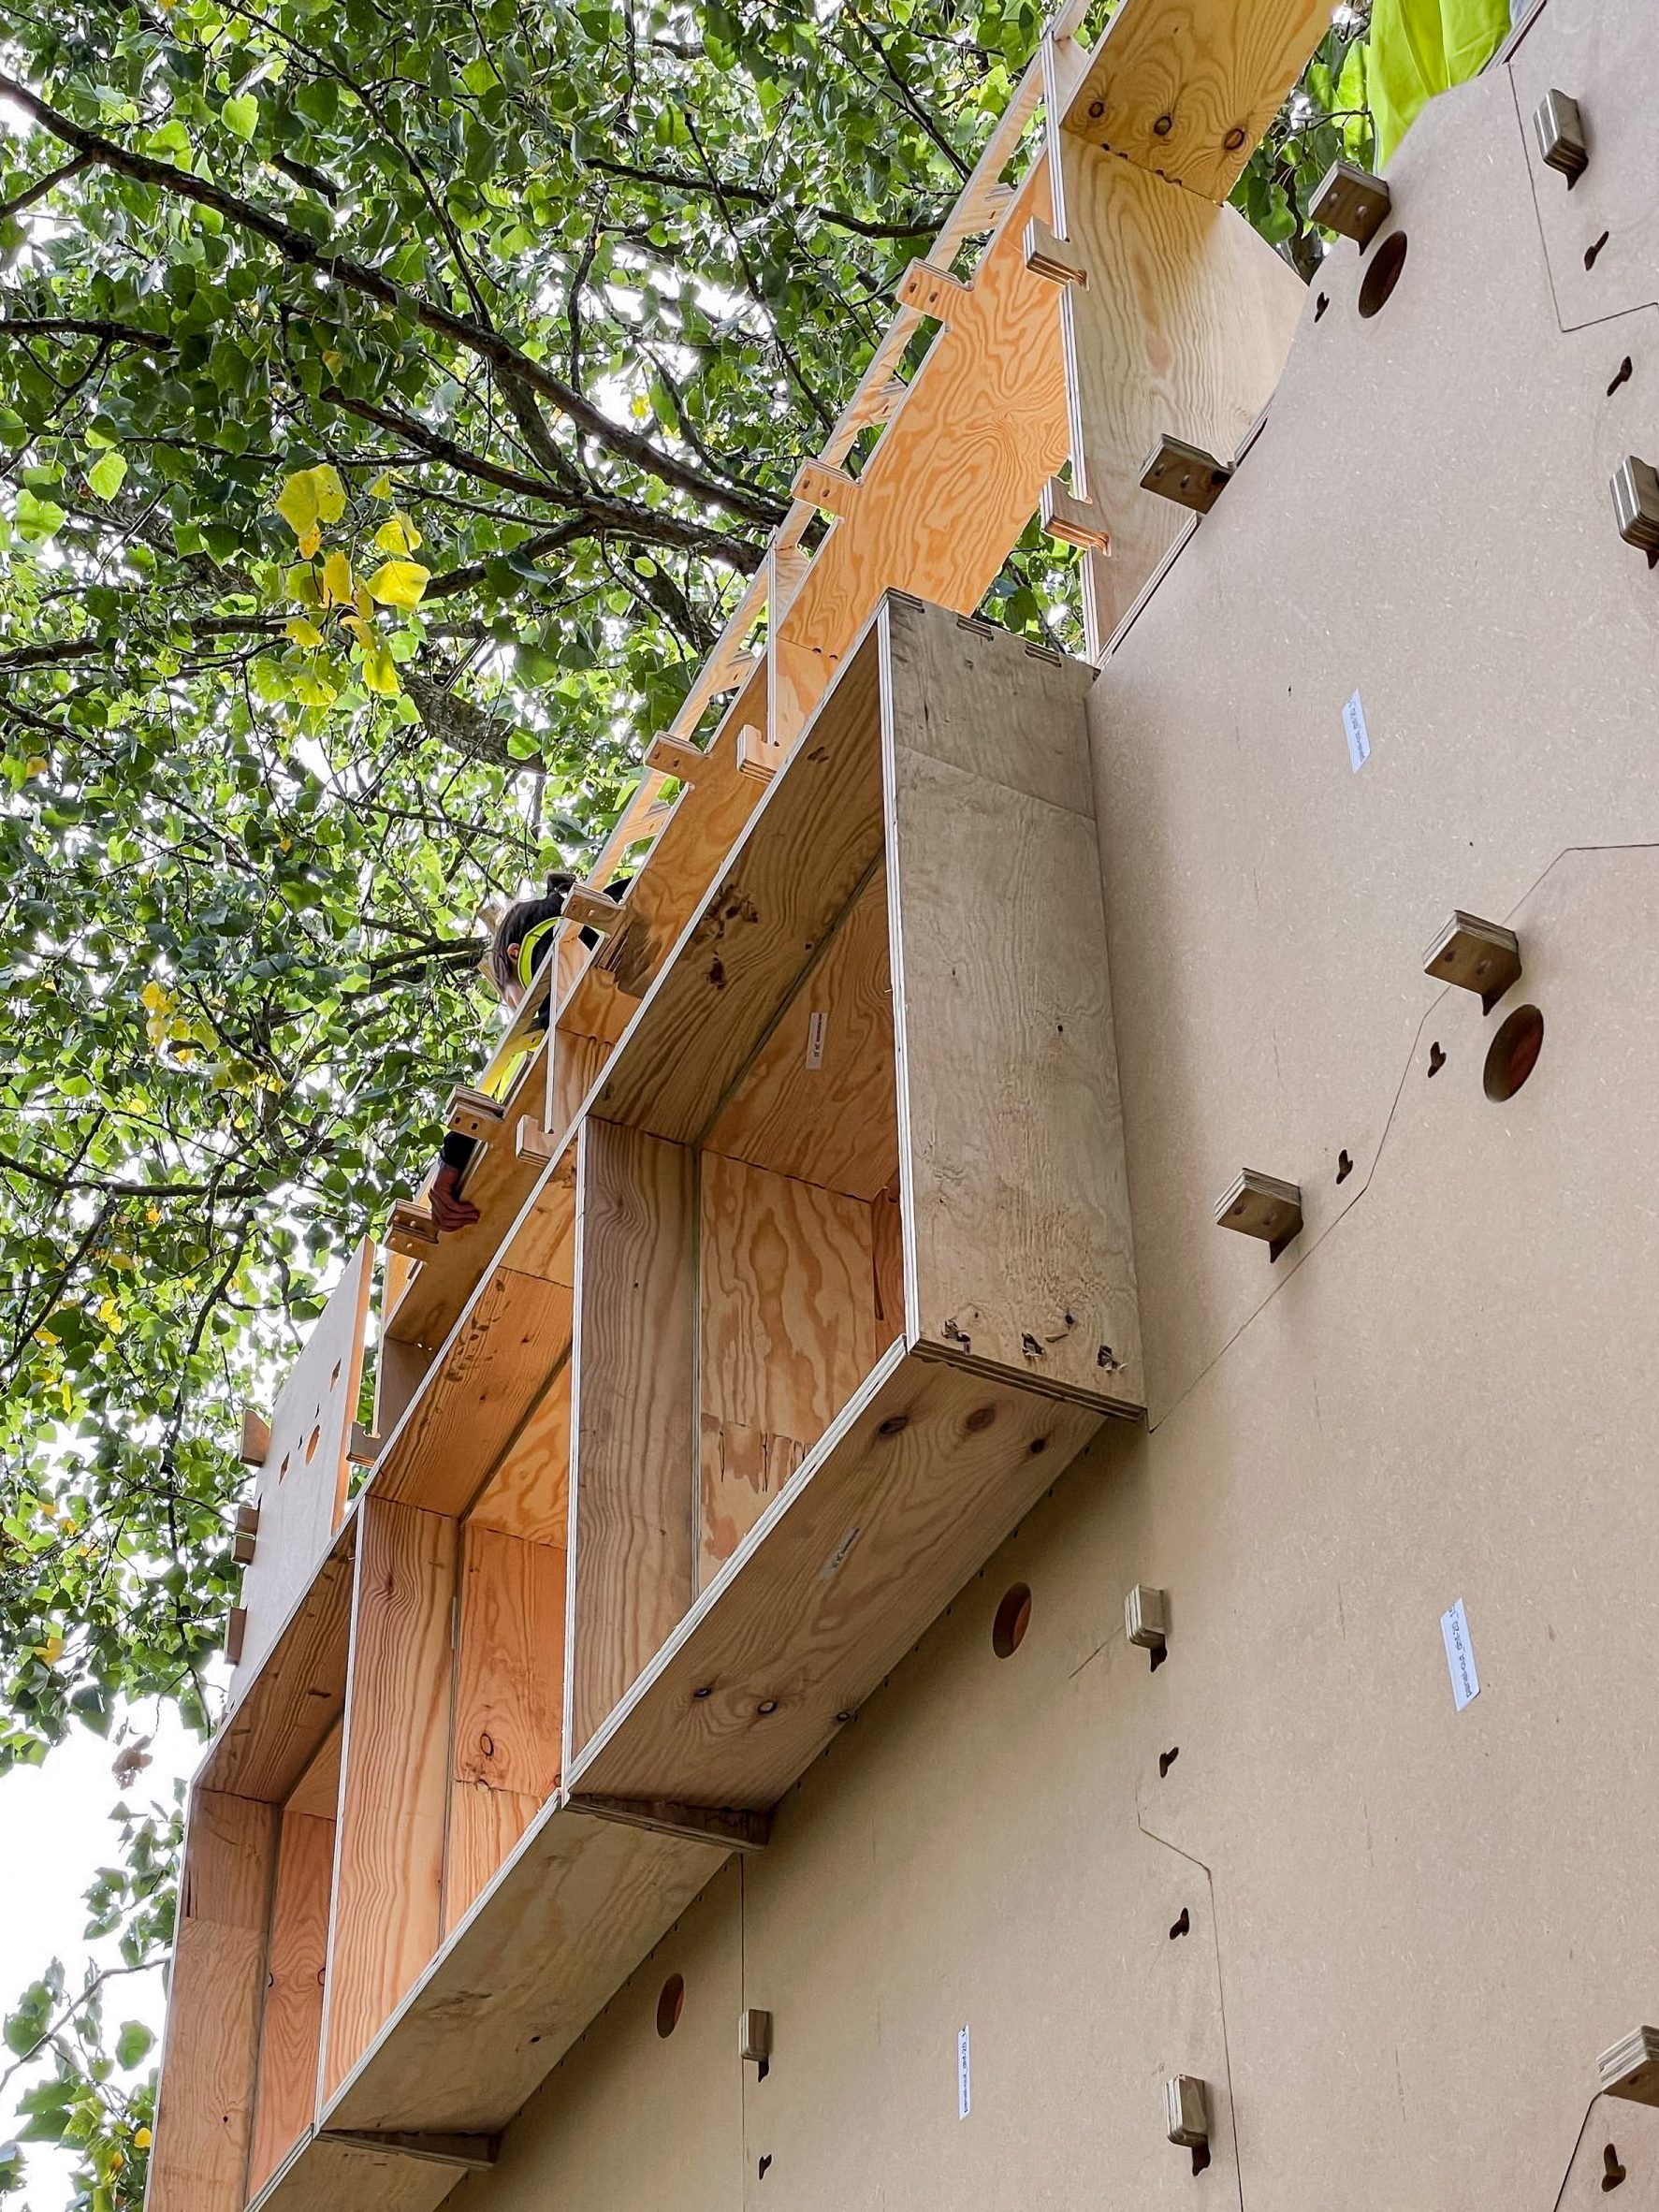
(509,1689)
(529,1494)
(388,1876)
(634,1411)
(204,2118)
(318,1791)
(485,1824)
(956,475)
(292,2026)
(278,1726)
(301,1486)
(787,1335)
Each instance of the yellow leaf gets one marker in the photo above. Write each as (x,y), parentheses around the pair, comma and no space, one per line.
(336,578)
(153,1214)
(303,632)
(332,358)
(309,497)
(109,1314)
(141,2140)
(363,604)
(309,543)
(362,630)
(301,583)
(154,999)
(399,582)
(410,532)
(36,764)
(389,537)
(378,672)
(51,1650)
(382,488)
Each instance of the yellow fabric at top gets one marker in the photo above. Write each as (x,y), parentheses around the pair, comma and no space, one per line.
(1419,48)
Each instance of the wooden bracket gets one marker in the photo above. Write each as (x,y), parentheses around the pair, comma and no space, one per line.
(757,756)
(1053,258)
(1147,1617)
(591,909)
(531,1141)
(1631,2067)
(1073,521)
(818,485)
(737,1829)
(1475,956)
(1351,202)
(930,291)
(236,1630)
(1560,127)
(472,2154)
(673,756)
(743,666)
(1636,504)
(410,1231)
(1262,1206)
(1185,473)
(754,2034)
(473,1113)
(1186,2110)
(247,1534)
(255,1443)
(362,1447)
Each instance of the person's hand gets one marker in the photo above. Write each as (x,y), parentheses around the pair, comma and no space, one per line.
(450,1210)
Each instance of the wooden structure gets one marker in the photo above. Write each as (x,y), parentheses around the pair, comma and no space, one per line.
(1282,1783)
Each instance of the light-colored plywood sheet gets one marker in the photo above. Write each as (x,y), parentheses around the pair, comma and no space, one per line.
(509,1685)
(1184,328)
(528,1495)
(787,1334)
(806,855)
(1186,88)
(920,1477)
(292,2022)
(635,1412)
(1267,903)
(576,1911)
(277,1728)
(318,1791)
(300,1488)
(957,475)
(818,1102)
(204,2117)
(325,2177)
(1012,1174)
(484,1825)
(1601,237)
(389,1868)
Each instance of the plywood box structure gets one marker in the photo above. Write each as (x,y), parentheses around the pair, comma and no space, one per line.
(732,1620)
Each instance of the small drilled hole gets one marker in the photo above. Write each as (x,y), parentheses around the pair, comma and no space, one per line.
(1320,304)
(1621,375)
(1513,1054)
(670,2004)
(1345,1167)
(1167,1759)
(1437,1059)
(1180,1926)
(1590,252)
(761,2169)
(1383,274)
(335,1377)
(310,1448)
(1013,1617)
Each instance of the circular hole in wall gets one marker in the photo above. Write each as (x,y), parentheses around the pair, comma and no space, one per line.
(1013,1617)
(1383,273)
(1513,1052)
(670,2004)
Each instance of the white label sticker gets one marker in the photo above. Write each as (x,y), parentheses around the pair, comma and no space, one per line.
(816,1026)
(1358,737)
(1459,1655)
(964,2083)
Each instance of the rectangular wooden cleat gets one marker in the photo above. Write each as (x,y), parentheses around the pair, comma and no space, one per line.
(1073,521)
(673,756)
(236,1630)
(1147,1617)
(756,755)
(1559,129)
(1186,2110)
(531,1141)
(255,1441)
(591,909)
(930,291)
(1475,956)
(1052,258)
(1631,2067)
(1262,1206)
(1636,503)
(1185,473)
(362,1447)
(1352,202)
(473,1113)
(831,491)
(410,1231)
(754,2034)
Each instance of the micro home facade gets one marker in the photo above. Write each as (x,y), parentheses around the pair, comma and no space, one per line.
(886,1656)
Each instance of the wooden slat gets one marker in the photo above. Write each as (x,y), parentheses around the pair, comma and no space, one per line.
(575,1913)
(274,1733)
(787,1335)
(818,1102)
(205,2115)
(529,1494)
(389,1870)
(809,849)
(509,1688)
(912,1489)
(635,1417)
(293,2017)
(1185,88)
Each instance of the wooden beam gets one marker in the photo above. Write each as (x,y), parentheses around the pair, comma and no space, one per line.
(740,1830)
(468,2154)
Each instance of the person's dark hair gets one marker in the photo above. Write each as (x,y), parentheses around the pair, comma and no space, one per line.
(515,927)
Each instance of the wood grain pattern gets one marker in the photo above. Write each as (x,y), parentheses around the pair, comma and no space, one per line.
(276,1728)
(635,1412)
(509,1683)
(327,2176)
(318,1791)
(1188,336)
(917,1482)
(888,1255)
(575,1913)
(484,1824)
(806,853)
(209,2058)
(572,1073)
(819,1103)
(389,1863)
(528,1495)
(1208,72)
(787,1279)
(300,1488)
(291,2030)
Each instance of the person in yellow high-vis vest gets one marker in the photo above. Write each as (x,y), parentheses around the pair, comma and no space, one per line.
(1419,48)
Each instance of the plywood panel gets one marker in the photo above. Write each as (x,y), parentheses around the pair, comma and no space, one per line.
(205,2114)
(318,1791)
(1015,1187)
(300,1488)
(577,1910)
(388,1877)
(1184,328)
(484,1825)
(818,1100)
(292,2023)
(528,1495)
(327,2176)
(509,1685)
(277,1728)
(634,1417)
(919,1479)
(787,1334)
(1267,907)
